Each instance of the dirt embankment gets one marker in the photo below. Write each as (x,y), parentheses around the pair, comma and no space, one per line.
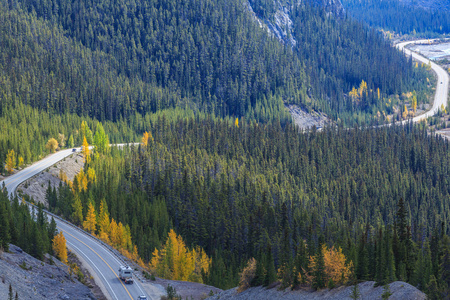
(37,280)
(36,186)
(400,290)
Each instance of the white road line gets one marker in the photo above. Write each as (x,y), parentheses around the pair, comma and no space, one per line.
(114,258)
(92,263)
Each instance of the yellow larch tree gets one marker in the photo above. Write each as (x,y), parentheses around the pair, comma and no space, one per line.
(91,219)
(52,145)
(414,102)
(91,175)
(145,139)
(59,247)
(378,93)
(362,88)
(405,113)
(20,162)
(80,182)
(175,261)
(86,151)
(247,275)
(337,268)
(10,161)
(114,232)
(236,122)
(103,222)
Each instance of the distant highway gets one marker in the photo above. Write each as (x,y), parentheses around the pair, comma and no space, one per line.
(441,96)
(100,259)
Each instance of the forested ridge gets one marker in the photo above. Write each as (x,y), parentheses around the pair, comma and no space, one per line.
(221,164)
(250,190)
(401,17)
(109,60)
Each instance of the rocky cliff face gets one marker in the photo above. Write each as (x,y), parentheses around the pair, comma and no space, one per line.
(277,18)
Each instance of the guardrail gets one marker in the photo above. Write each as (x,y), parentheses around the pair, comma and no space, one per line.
(114,251)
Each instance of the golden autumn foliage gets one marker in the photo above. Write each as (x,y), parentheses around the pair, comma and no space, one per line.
(414,103)
(20,161)
(52,145)
(59,247)
(337,268)
(103,222)
(114,232)
(362,88)
(91,175)
(236,122)
(405,113)
(91,219)
(10,161)
(80,182)
(86,151)
(175,261)
(145,139)
(247,275)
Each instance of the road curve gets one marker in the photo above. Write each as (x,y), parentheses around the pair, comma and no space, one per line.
(440,98)
(101,260)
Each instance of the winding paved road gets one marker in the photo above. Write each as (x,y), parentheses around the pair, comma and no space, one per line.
(103,262)
(441,96)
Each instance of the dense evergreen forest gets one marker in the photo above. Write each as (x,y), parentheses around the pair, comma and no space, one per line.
(29,231)
(251,186)
(109,60)
(244,189)
(395,15)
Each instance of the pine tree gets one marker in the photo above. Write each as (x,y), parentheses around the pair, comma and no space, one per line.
(77,208)
(260,271)
(356,294)
(10,293)
(5,237)
(101,141)
(317,268)
(386,292)
(271,275)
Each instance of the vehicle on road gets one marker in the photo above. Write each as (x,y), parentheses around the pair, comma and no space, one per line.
(126,274)
(142,297)
(74,150)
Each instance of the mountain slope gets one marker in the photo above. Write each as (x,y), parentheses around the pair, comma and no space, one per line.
(404,17)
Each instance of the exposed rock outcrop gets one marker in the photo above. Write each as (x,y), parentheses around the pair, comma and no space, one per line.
(278,19)
(34,279)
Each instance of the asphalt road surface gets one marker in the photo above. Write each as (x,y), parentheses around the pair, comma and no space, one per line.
(101,260)
(441,95)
